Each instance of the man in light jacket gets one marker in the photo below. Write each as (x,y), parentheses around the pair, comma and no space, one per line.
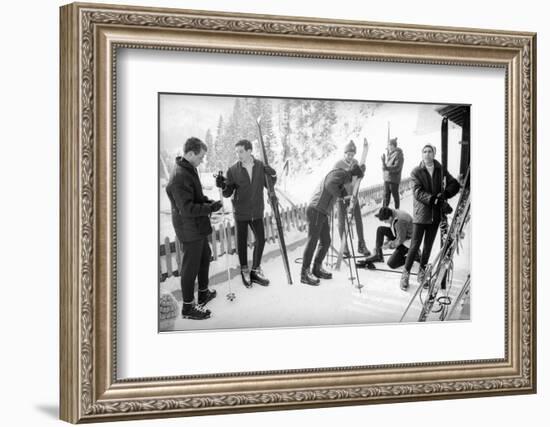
(392,165)
(397,234)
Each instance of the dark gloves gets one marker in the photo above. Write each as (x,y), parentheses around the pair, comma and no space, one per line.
(220,180)
(363,168)
(357,171)
(437,200)
(446,209)
(216,206)
(269,170)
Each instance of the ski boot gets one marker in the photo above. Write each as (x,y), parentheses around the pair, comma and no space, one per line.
(245,276)
(377,257)
(308,279)
(319,272)
(404,282)
(257,276)
(205,296)
(362,249)
(194,312)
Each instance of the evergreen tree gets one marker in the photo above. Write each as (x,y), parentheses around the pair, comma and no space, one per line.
(210,163)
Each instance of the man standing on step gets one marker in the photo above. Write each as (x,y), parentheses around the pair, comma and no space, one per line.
(350,150)
(430,203)
(320,207)
(191,211)
(392,165)
(245,182)
(397,233)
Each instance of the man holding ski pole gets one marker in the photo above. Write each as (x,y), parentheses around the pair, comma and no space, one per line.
(245,181)
(318,211)
(348,162)
(191,211)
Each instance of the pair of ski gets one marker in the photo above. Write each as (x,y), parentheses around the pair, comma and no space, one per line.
(438,272)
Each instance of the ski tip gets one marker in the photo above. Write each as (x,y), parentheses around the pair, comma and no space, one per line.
(258,119)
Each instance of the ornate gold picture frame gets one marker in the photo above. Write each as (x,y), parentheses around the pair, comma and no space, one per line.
(91,34)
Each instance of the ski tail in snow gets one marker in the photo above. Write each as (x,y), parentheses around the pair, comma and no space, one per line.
(356,182)
(274,202)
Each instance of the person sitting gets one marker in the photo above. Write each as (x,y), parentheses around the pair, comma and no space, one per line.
(398,234)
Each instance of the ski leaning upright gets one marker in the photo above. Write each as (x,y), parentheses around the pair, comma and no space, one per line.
(274,202)
(356,182)
(442,267)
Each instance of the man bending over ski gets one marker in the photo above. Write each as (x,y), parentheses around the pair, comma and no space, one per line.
(347,163)
(245,182)
(320,207)
(398,234)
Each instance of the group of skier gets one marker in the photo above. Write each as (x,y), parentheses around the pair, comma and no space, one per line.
(244,182)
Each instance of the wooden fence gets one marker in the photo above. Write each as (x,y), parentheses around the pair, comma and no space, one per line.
(223,239)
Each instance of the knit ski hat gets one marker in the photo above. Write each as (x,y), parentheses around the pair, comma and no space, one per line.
(350,146)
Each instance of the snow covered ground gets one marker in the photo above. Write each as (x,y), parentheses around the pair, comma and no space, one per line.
(334,302)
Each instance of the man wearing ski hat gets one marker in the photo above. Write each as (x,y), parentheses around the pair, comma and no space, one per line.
(392,165)
(397,233)
(346,163)
(245,182)
(320,207)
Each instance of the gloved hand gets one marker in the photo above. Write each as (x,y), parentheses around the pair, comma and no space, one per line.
(357,171)
(437,200)
(446,209)
(220,181)
(269,170)
(216,206)
(363,168)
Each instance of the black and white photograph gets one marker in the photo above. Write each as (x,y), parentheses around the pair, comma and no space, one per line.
(292,212)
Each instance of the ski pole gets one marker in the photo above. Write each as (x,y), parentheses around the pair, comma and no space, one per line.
(227,233)
(359,286)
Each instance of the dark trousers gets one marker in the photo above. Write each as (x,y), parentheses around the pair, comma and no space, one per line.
(397,258)
(257,227)
(195,263)
(342,208)
(391,189)
(426,232)
(318,232)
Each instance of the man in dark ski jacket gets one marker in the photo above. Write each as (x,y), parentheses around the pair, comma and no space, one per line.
(347,163)
(320,207)
(430,203)
(398,233)
(392,165)
(245,181)
(191,211)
